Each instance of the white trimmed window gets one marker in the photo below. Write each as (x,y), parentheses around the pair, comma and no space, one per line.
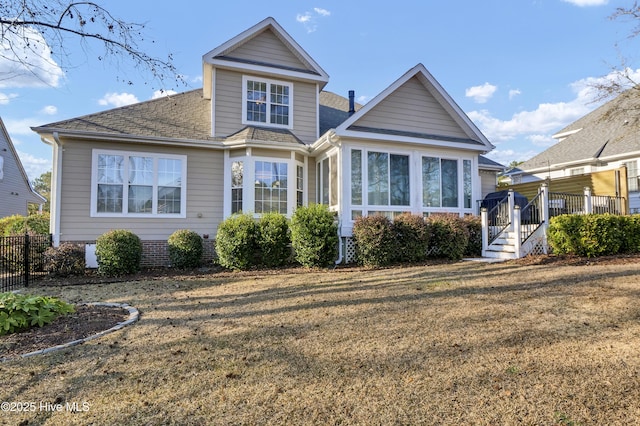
(263,184)
(138,184)
(267,102)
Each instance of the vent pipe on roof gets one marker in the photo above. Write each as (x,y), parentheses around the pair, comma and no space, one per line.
(352,104)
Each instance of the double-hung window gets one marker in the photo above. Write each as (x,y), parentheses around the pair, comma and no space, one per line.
(267,102)
(138,184)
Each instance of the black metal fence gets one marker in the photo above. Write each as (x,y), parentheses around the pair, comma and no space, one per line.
(22,259)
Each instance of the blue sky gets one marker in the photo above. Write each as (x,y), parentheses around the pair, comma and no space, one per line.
(521,69)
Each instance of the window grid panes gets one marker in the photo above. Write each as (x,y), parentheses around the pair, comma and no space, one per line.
(140,191)
(299,186)
(110,181)
(257,101)
(268,102)
(270,187)
(237,171)
(632,175)
(279,104)
(153,185)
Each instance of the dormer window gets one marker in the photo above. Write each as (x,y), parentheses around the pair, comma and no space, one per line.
(267,102)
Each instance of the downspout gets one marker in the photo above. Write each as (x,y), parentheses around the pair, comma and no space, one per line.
(54,221)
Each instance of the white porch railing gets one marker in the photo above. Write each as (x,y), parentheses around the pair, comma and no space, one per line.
(510,231)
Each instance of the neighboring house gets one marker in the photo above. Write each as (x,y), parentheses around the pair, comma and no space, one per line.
(607,139)
(16,191)
(262,135)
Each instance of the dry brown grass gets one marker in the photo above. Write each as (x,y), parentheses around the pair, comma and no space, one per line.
(466,343)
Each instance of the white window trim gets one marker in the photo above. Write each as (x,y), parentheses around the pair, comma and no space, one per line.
(125,199)
(248,182)
(415,173)
(245,79)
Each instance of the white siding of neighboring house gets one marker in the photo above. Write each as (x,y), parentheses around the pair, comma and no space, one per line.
(15,191)
(228,106)
(204,194)
(266,48)
(412,108)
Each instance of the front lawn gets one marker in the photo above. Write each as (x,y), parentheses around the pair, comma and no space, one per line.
(463,343)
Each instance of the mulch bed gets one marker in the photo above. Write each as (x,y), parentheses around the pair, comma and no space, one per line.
(84,322)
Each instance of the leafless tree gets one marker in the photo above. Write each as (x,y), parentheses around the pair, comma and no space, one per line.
(621,77)
(36,33)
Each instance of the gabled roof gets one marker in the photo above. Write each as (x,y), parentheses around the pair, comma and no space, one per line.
(226,55)
(35,197)
(606,133)
(438,120)
(180,118)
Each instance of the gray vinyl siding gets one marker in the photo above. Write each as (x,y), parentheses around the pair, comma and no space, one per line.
(266,48)
(228,106)
(487,182)
(412,108)
(204,194)
(15,191)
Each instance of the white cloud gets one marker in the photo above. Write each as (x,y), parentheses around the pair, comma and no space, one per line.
(49,110)
(583,3)
(162,93)
(25,60)
(481,94)
(6,98)
(363,99)
(118,99)
(20,127)
(33,165)
(310,19)
(513,93)
(322,12)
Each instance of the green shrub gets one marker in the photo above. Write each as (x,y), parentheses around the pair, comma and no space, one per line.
(118,252)
(19,312)
(631,232)
(185,249)
(236,241)
(474,227)
(375,240)
(448,236)
(274,238)
(314,236)
(64,260)
(563,234)
(19,225)
(412,238)
(601,235)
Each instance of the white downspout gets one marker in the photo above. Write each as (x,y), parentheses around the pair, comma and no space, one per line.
(56,189)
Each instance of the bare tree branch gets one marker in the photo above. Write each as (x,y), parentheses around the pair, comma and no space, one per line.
(37,31)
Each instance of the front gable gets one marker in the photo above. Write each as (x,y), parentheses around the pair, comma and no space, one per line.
(416,109)
(264,49)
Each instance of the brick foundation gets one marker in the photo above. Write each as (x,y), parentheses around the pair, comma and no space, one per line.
(156,253)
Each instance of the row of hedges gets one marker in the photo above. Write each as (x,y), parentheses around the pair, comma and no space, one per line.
(594,235)
(411,238)
(312,234)
(19,225)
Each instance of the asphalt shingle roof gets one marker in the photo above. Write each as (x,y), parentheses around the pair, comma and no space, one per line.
(610,130)
(187,116)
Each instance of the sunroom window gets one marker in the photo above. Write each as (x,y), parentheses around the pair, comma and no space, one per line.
(267,102)
(388,179)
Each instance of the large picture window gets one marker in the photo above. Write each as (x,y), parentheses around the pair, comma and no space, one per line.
(267,102)
(388,179)
(138,184)
(270,187)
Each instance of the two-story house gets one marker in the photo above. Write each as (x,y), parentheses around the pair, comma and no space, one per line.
(263,135)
